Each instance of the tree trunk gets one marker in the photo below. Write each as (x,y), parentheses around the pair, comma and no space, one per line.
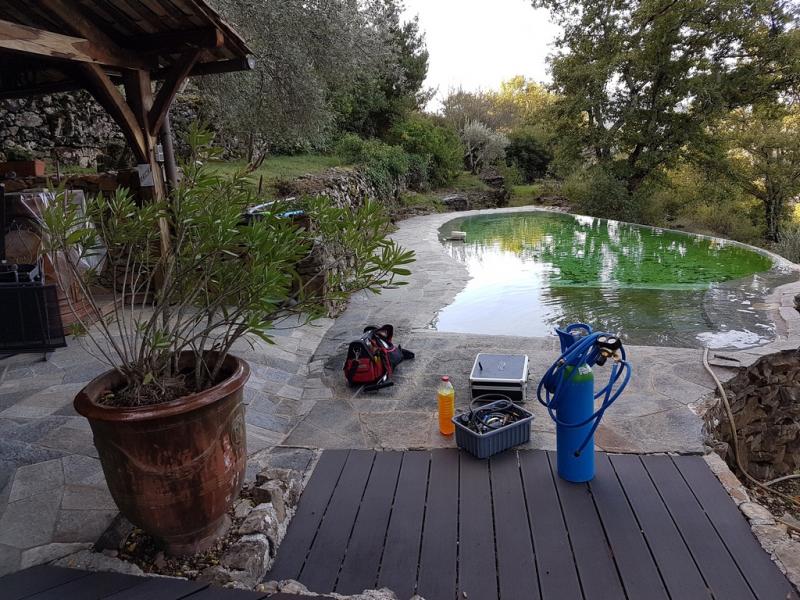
(772,212)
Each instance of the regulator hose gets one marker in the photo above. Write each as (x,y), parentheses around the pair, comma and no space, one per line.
(584,351)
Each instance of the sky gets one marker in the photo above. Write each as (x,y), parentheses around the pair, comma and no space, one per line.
(476,44)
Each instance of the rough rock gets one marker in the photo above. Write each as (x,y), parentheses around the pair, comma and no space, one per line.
(220,576)
(272,492)
(242,508)
(250,556)
(788,553)
(769,536)
(757,514)
(289,481)
(95,561)
(290,586)
(456,202)
(262,519)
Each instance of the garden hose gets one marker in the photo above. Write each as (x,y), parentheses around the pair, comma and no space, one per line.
(735,435)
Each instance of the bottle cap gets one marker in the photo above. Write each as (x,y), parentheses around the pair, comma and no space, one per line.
(445,378)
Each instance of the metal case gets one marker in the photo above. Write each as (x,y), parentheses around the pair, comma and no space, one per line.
(499,375)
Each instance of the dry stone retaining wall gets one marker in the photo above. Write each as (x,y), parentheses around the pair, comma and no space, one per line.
(765,400)
(75,129)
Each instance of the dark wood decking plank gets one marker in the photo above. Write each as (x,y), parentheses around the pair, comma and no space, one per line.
(477,573)
(555,563)
(761,573)
(636,567)
(437,569)
(398,569)
(310,510)
(281,596)
(516,565)
(91,587)
(675,562)
(22,584)
(360,567)
(596,568)
(220,593)
(327,552)
(717,566)
(161,588)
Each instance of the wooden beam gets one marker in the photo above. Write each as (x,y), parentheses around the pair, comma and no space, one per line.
(109,97)
(175,77)
(177,41)
(214,68)
(38,42)
(76,22)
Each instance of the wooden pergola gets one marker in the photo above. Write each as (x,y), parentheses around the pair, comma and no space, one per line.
(145,47)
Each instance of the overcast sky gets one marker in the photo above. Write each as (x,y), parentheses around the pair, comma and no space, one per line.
(479,43)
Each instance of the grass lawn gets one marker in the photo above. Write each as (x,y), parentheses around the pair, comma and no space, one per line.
(286,167)
(524,195)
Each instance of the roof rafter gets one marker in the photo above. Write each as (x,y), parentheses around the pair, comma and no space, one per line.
(38,42)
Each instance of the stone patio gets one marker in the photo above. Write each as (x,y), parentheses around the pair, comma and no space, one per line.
(53,496)
(657,412)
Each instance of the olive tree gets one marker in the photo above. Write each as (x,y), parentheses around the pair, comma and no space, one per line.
(482,145)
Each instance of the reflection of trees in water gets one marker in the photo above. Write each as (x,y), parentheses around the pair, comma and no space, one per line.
(640,315)
(592,251)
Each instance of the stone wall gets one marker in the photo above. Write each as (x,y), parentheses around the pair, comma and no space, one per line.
(765,400)
(347,188)
(74,129)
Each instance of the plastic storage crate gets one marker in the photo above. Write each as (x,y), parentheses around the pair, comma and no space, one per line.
(487,444)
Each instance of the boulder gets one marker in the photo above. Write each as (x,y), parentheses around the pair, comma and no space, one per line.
(456,202)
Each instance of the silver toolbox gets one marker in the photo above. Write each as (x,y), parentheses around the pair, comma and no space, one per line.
(499,375)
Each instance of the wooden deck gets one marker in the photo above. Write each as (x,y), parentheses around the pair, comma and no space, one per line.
(447,526)
(55,583)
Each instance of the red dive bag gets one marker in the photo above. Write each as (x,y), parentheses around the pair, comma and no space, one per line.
(372,358)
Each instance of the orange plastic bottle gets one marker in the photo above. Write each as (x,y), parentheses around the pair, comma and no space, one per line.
(446,396)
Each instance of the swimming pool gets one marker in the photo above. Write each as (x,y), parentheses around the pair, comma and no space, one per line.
(532,271)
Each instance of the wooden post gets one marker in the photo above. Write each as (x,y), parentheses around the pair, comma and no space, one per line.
(139,96)
(169,153)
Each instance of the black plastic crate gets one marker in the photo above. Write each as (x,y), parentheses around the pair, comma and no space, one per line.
(484,445)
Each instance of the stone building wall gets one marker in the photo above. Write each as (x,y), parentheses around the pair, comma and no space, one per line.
(74,129)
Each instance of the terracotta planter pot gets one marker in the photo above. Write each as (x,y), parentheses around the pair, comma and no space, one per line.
(173,468)
(23,168)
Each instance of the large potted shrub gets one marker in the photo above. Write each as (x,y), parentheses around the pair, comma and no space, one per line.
(167,418)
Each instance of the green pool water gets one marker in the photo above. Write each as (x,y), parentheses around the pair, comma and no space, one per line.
(533,271)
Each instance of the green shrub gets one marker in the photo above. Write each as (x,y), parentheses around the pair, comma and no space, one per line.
(596,192)
(528,152)
(350,148)
(435,144)
(687,197)
(385,165)
(788,244)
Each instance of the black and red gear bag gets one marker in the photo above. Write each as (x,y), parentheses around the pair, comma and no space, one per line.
(373,357)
